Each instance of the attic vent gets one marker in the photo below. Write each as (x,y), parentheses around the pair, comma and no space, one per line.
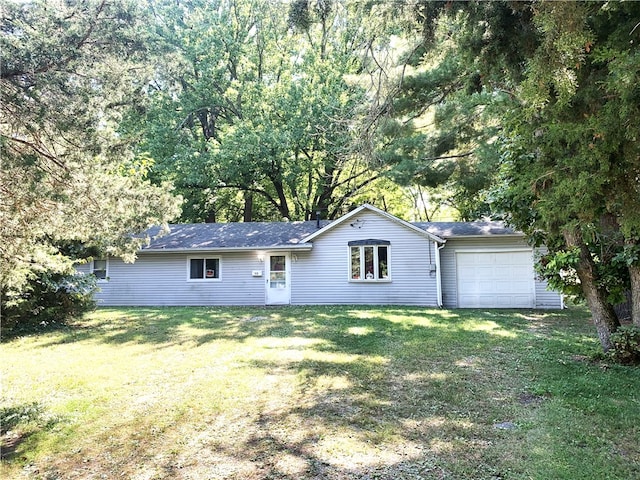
(371,241)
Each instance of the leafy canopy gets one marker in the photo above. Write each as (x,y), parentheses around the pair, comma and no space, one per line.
(258,114)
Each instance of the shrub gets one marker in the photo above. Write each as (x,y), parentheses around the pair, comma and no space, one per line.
(50,299)
(626,345)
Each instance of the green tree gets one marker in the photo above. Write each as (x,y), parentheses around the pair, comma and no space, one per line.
(256,106)
(441,123)
(211,63)
(543,97)
(68,71)
(578,165)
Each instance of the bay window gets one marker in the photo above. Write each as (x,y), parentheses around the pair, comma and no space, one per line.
(369,260)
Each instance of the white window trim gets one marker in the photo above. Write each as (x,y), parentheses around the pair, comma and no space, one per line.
(106,269)
(375,264)
(204,257)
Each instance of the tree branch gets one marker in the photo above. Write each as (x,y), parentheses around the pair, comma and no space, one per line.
(39,151)
(9,74)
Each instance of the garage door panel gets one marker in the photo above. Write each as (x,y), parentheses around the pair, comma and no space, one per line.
(513,287)
(495,279)
(504,302)
(502,270)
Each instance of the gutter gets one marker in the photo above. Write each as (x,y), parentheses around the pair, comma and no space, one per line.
(438,275)
(300,246)
(502,235)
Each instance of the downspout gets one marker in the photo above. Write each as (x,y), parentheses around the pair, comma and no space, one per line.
(438,275)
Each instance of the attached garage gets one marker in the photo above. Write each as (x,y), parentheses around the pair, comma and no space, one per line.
(489,265)
(498,279)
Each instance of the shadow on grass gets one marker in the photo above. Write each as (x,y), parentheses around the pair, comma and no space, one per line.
(174,325)
(408,392)
(450,391)
(18,423)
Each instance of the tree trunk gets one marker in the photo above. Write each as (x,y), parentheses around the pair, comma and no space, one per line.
(634,274)
(248,207)
(324,192)
(283,206)
(604,317)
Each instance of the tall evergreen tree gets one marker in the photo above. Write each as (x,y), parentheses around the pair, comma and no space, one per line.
(67,72)
(541,99)
(578,160)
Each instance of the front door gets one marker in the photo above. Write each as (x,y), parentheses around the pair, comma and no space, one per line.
(278,287)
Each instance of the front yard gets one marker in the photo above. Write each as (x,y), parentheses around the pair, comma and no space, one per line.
(318,393)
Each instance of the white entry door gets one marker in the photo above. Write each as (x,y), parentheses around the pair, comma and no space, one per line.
(495,279)
(278,281)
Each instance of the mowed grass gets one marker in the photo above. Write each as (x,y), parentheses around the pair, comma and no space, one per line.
(318,393)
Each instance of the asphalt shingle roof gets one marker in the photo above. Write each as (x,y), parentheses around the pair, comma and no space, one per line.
(206,236)
(265,235)
(465,229)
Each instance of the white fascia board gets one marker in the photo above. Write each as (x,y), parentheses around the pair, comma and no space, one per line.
(304,247)
(488,235)
(371,208)
(333,224)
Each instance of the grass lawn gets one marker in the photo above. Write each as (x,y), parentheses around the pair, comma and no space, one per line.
(318,393)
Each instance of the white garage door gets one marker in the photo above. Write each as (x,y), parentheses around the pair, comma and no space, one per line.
(495,279)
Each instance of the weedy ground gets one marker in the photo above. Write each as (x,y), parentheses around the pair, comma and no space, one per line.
(318,393)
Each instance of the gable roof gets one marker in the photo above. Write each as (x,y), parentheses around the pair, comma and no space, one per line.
(232,236)
(195,237)
(467,229)
(371,208)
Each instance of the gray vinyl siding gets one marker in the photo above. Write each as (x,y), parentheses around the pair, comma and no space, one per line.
(544,298)
(83,268)
(317,276)
(161,279)
(321,276)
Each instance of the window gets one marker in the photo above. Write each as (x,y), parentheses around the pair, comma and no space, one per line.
(369,260)
(204,269)
(99,268)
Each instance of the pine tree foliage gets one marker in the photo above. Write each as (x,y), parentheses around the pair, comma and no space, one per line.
(444,117)
(68,70)
(580,175)
(539,101)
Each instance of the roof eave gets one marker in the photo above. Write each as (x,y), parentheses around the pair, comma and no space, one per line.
(484,235)
(302,246)
(371,208)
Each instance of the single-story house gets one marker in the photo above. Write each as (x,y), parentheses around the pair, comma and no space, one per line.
(367,256)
